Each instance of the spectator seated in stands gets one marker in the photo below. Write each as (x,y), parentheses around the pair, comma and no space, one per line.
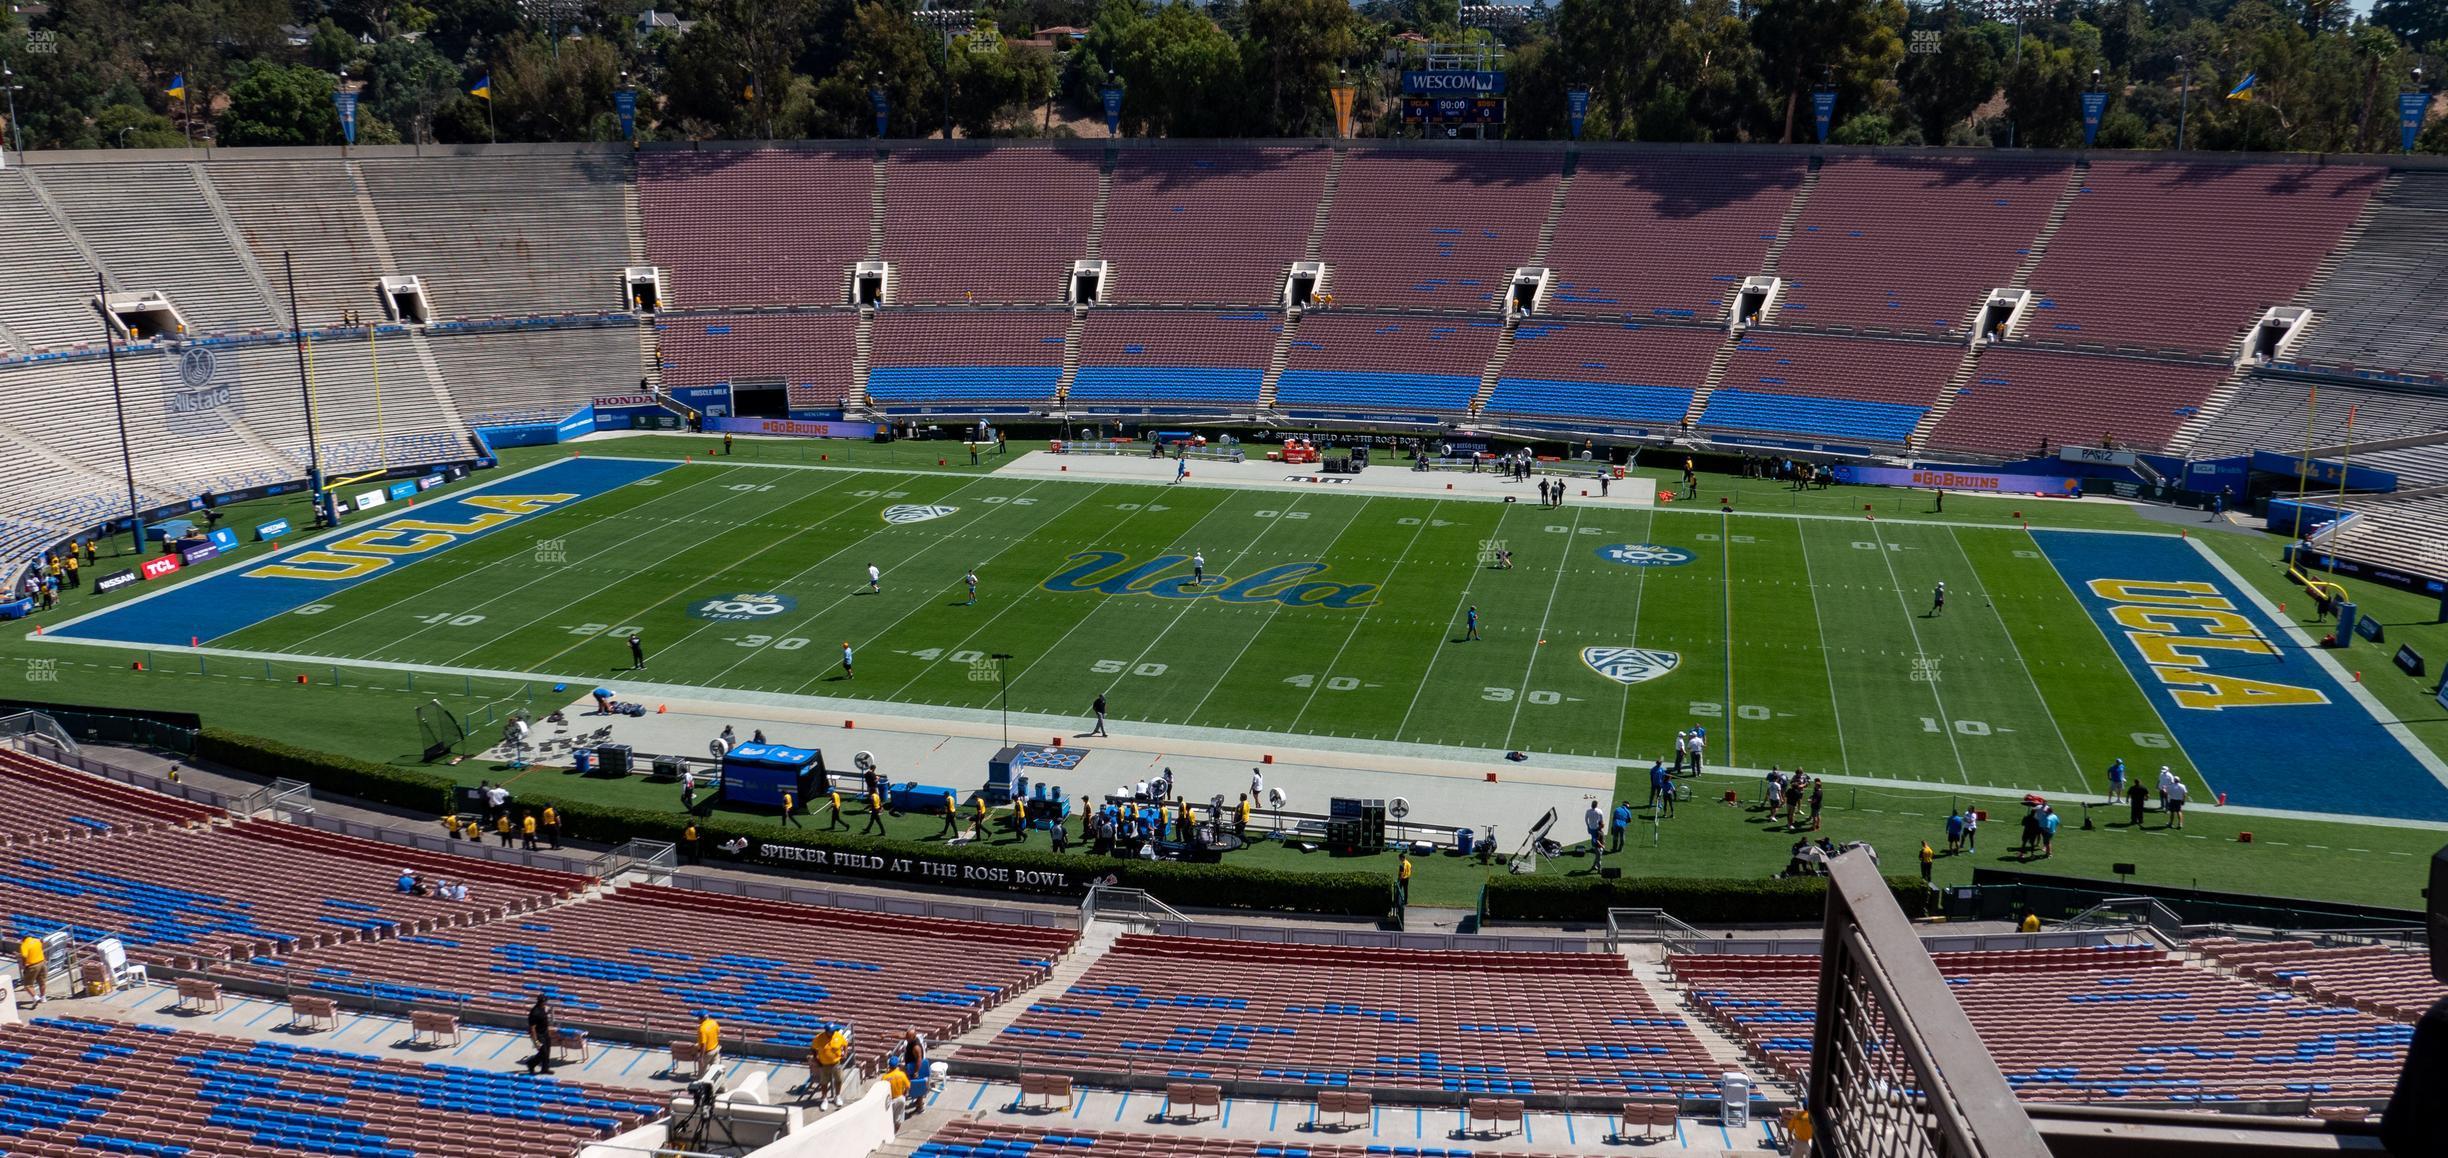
(410,884)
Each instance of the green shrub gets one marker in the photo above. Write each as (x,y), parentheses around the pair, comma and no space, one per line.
(990,867)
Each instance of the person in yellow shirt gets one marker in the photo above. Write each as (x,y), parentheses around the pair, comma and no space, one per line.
(501,827)
(527,829)
(825,1056)
(552,826)
(30,958)
(790,805)
(2031,921)
(709,1042)
(837,822)
(1798,1130)
(1243,813)
(1929,856)
(875,812)
(70,565)
(451,823)
(688,843)
(1402,882)
(951,815)
(899,1084)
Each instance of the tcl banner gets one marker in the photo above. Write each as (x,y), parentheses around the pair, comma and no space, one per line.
(159,566)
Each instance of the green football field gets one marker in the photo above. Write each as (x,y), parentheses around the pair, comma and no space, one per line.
(1801,640)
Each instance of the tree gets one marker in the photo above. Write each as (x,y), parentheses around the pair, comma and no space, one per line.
(1943,87)
(1290,57)
(281,105)
(543,95)
(2421,23)
(993,85)
(1612,46)
(137,127)
(1181,70)
(1856,42)
(407,83)
(2044,89)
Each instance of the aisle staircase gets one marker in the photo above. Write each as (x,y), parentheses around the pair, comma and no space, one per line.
(1768,267)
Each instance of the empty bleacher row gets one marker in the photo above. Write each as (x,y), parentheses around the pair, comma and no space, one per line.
(1832,388)
(968,1138)
(2385,308)
(1392,364)
(1193,1008)
(1436,229)
(1668,237)
(2376,979)
(804,213)
(2110,1023)
(809,352)
(202,895)
(73,1087)
(987,225)
(980,358)
(1868,253)
(1214,359)
(652,958)
(1623,373)
(2406,535)
(2274,412)
(1201,225)
(41,801)
(2023,401)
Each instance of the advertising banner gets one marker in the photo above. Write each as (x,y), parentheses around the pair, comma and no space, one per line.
(1452,82)
(346,102)
(1112,94)
(114,581)
(405,489)
(2410,109)
(198,553)
(2096,456)
(2093,104)
(372,499)
(223,538)
(792,427)
(266,532)
(1823,111)
(160,565)
(1939,478)
(1576,107)
(624,102)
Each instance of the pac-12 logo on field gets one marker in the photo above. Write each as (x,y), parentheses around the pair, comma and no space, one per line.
(1644,555)
(1629,665)
(913,513)
(733,607)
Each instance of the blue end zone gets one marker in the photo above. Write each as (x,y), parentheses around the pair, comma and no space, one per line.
(240,596)
(2264,721)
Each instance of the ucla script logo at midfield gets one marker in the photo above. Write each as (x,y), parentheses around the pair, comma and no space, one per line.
(1629,665)
(1168,577)
(1644,555)
(913,513)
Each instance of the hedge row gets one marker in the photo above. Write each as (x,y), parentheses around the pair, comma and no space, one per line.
(1012,868)
(1697,900)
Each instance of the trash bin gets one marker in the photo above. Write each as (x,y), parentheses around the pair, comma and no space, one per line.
(1734,1094)
(1462,841)
(585,758)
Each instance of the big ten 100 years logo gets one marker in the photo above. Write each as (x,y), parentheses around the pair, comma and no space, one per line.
(1170,577)
(739,607)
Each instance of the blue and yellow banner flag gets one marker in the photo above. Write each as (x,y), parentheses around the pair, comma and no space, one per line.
(178,87)
(2244,88)
(484,88)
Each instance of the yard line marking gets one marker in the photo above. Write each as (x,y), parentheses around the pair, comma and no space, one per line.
(1530,669)
(802,623)
(1269,616)
(1982,588)
(1640,588)
(1725,575)
(1434,506)
(501,634)
(423,590)
(1020,599)
(1844,763)
(1897,582)
(1188,604)
(1445,644)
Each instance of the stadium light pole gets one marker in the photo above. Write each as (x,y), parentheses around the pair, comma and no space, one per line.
(8,80)
(1003,691)
(127,459)
(297,336)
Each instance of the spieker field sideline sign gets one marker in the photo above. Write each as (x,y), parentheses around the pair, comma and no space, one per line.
(909,868)
(1939,478)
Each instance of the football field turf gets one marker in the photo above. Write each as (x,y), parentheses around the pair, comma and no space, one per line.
(1794,640)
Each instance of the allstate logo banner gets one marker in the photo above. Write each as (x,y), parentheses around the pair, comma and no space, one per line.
(901,513)
(1644,555)
(737,607)
(1629,665)
(201,394)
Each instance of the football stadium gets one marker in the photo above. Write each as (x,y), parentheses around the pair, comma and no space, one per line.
(1161,647)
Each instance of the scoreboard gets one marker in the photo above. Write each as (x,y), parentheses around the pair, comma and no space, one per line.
(1454,110)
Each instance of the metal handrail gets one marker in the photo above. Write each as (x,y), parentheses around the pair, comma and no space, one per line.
(1896,1067)
(1671,931)
(29,725)
(2111,912)
(1142,907)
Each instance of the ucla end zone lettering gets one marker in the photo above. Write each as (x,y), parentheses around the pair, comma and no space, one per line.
(2241,694)
(308,572)
(1170,577)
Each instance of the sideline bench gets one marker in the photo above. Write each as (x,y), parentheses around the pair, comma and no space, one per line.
(1047,1087)
(1184,1100)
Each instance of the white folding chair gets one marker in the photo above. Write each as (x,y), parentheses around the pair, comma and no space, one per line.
(114,960)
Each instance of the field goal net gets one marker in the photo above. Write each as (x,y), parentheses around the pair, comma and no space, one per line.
(442,730)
